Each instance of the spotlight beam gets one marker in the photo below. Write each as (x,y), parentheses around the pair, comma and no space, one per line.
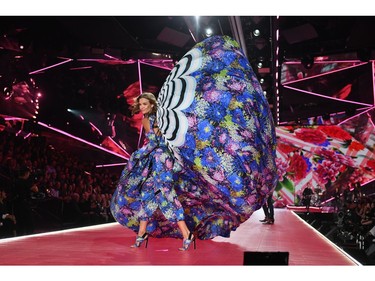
(110,165)
(354,116)
(82,140)
(158,66)
(49,67)
(327,97)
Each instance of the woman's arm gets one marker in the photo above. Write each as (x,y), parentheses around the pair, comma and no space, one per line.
(146,124)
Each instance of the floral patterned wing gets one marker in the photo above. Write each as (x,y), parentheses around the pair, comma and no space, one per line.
(214,115)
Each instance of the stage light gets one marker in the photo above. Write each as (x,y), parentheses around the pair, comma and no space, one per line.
(82,140)
(256,32)
(8,93)
(209,32)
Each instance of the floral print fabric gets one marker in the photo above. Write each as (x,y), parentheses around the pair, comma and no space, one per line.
(325,156)
(229,148)
(217,123)
(145,189)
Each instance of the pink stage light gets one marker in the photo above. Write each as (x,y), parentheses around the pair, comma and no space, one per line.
(113,58)
(140,83)
(370,120)
(28,135)
(82,140)
(110,165)
(96,129)
(327,62)
(105,61)
(80,68)
(323,74)
(11,118)
(368,182)
(354,116)
(118,146)
(156,65)
(327,97)
(49,67)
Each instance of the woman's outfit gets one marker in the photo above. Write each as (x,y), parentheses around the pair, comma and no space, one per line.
(217,121)
(146,188)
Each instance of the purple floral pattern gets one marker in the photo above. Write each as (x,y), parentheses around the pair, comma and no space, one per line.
(146,189)
(217,123)
(228,150)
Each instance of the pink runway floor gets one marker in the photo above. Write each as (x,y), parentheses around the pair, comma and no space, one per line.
(103,253)
(108,244)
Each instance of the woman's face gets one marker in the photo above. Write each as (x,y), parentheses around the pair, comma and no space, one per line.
(145,106)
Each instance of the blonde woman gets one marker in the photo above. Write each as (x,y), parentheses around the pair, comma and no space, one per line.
(145,199)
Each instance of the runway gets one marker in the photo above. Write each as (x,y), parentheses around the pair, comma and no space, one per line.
(108,245)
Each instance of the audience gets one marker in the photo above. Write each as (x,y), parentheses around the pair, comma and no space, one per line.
(7,220)
(70,190)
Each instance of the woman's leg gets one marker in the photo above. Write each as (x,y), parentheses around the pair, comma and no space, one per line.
(184,229)
(188,237)
(142,235)
(142,227)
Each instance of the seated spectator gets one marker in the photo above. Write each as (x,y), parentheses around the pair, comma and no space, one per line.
(71,210)
(7,220)
(369,214)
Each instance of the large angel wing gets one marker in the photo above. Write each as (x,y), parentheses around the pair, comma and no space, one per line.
(176,95)
(213,114)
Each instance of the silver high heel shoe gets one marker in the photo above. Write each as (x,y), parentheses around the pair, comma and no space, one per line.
(187,242)
(139,240)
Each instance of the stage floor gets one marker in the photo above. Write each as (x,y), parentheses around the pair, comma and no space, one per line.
(108,244)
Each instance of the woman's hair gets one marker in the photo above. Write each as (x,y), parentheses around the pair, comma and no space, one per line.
(148,96)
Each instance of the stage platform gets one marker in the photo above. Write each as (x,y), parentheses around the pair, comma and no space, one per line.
(312,209)
(103,252)
(108,244)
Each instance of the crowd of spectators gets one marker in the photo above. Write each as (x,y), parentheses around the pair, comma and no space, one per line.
(70,191)
(356,214)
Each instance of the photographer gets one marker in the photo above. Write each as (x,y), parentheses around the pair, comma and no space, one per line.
(306,197)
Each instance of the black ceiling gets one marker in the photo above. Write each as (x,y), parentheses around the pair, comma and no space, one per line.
(71,35)
(124,37)
(50,39)
(322,35)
